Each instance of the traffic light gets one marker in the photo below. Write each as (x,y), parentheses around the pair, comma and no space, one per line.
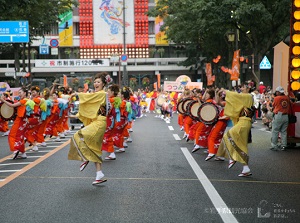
(295,47)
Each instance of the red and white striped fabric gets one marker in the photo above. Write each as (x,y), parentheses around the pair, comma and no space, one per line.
(294,129)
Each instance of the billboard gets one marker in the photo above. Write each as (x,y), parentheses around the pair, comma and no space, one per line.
(65,29)
(109,23)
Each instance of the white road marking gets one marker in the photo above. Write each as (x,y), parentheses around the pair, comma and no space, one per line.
(54,142)
(48,146)
(39,151)
(28,157)
(214,196)
(176,137)
(171,128)
(9,164)
(7,171)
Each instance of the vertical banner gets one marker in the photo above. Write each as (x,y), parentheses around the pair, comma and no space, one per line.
(160,37)
(65,29)
(65,81)
(235,66)
(155,85)
(208,71)
(158,81)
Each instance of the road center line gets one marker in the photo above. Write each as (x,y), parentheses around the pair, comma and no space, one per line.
(212,193)
(176,137)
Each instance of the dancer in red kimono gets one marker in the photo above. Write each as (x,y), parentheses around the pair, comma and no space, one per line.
(51,128)
(34,120)
(113,117)
(120,126)
(16,135)
(45,117)
(154,95)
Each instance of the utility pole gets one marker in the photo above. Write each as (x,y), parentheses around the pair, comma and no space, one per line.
(125,75)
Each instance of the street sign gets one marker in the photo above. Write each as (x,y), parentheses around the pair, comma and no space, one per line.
(14,32)
(44,49)
(54,51)
(54,42)
(124,58)
(265,64)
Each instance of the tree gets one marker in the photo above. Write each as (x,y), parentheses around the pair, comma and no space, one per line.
(40,14)
(201,26)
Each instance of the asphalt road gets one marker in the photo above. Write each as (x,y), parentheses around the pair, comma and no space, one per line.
(157,179)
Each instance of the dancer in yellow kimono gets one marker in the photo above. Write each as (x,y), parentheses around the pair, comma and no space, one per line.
(86,143)
(239,107)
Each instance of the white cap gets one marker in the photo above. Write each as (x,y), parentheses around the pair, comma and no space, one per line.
(261,82)
(280,89)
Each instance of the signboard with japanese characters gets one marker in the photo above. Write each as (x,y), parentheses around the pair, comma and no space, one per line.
(178,86)
(72,63)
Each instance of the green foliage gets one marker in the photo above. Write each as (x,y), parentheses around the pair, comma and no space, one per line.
(201,25)
(41,14)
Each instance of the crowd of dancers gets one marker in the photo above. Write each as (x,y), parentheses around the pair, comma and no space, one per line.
(108,113)
(35,116)
(204,117)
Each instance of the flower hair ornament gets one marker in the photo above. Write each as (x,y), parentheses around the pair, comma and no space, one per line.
(35,88)
(108,79)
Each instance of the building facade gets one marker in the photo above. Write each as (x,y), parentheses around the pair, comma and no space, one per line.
(113,36)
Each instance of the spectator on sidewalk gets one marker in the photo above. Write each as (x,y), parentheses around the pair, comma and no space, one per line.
(281,109)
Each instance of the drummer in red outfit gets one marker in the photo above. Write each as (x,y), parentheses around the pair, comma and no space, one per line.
(3,122)
(217,132)
(186,94)
(203,130)
(196,94)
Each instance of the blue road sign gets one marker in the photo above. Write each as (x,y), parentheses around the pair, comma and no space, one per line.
(14,32)
(44,49)
(265,64)
(54,43)
(124,58)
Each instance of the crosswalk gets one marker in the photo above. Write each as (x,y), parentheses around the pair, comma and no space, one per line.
(8,166)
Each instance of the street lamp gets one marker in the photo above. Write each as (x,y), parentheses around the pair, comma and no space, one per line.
(233,36)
